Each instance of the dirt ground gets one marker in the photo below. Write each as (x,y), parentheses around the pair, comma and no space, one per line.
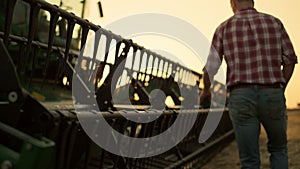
(228,157)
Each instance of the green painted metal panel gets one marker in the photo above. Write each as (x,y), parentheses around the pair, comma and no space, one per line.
(35,153)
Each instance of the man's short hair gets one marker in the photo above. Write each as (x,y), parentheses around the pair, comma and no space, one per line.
(246,1)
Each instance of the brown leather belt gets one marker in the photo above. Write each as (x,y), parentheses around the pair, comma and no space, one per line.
(258,86)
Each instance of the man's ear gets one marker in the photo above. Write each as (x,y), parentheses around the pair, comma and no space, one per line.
(233,5)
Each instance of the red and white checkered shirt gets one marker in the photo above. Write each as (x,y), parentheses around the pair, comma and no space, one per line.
(254,45)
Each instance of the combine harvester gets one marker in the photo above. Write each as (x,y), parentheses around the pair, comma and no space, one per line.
(39,124)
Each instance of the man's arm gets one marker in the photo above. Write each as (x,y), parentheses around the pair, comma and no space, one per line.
(206,82)
(288,72)
(288,55)
(214,61)
(205,95)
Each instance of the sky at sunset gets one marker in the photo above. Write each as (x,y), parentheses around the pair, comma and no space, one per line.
(203,15)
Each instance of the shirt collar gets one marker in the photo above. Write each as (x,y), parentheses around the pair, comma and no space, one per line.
(247,9)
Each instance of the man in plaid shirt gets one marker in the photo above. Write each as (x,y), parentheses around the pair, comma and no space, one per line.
(260,62)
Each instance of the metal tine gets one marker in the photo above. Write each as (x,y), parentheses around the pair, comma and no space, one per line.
(20,55)
(118,62)
(34,62)
(104,152)
(165,69)
(107,46)
(161,61)
(122,126)
(145,54)
(133,125)
(135,48)
(173,70)
(140,65)
(147,64)
(176,71)
(101,67)
(70,29)
(8,19)
(157,69)
(117,53)
(152,70)
(34,12)
(85,31)
(98,35)
(102,64)
(152,66)
(53,21)
(118,45)
(170,70)
(117,56)
(130,70)
(150,134)
(166,83)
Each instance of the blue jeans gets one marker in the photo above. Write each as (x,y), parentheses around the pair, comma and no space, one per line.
(250,107)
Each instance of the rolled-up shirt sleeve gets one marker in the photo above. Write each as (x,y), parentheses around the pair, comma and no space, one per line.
(288,52)
(214,59)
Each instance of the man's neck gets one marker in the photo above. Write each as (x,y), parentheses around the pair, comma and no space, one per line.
(244,5)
